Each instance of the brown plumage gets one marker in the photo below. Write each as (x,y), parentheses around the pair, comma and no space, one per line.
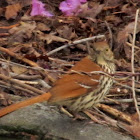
(78,91)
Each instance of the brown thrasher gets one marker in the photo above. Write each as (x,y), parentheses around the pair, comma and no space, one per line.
(77,90)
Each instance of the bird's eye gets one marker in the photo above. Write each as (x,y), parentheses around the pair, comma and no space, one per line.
(106,50)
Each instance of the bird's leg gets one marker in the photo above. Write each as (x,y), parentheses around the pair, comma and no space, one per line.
(74,115)
(62,109)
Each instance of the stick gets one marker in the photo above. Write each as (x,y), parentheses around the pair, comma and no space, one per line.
(25,77)
(9,27)
(120,101)
(132,64)
(15,87)
(118,114)
(14,81)
(31,63)
(110,34)
(74,43)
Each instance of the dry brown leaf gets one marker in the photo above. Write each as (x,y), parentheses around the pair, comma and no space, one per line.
(18,69)
(123,65)
(128,29)
(129,9)
(1,11)
(113,18)
(42,27)
(93,12)
(25,3)
(49,38)
(133,129)
(12,10)
(4,99)
(123,37)
(66,32)
(24,31)
(111,3)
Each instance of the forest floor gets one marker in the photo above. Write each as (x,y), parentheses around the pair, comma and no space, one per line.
(30,54)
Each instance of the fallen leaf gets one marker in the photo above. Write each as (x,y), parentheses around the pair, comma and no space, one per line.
(66,32)
(128,9)
(112,3)
(49,38)
(18,69)
(12,10)
(128,29)
(24,31)
(133,129)
(91,12)
(4,99)
(42,27)
(1,11)
(123,35)
(114,19)
(123,64)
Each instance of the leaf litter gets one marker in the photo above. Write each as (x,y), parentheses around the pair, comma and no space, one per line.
(30,36)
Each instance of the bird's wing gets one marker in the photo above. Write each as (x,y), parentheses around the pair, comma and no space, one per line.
(74,84)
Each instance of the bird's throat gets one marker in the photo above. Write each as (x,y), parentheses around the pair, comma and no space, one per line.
(108,66)
(101,61)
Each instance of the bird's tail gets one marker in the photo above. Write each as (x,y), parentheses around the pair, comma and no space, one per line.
(16,106)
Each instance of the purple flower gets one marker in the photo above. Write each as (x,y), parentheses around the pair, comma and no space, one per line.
(38,9)
(71,7)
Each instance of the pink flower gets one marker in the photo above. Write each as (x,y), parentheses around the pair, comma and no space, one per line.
(38,9)
(71,7)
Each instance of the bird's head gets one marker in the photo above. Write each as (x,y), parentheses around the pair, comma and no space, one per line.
(101,52)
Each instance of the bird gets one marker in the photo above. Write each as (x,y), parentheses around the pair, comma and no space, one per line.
(84,86)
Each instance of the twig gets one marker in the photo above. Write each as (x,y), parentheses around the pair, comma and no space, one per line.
(25,77)
(74,43)
(20,65)
(120,100)
(109,100)
(129,44)
(19,57)
(3,61)
(9,27)
(116,113)
(118,91)
(4,34)
(106,74)
(110,34)
(126,86)
(132,64)
(35,65)
(9,86)
(107,119)
(118,73)
(14,81)
(43,84)
(93,118)
(27,82)
(3,39)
